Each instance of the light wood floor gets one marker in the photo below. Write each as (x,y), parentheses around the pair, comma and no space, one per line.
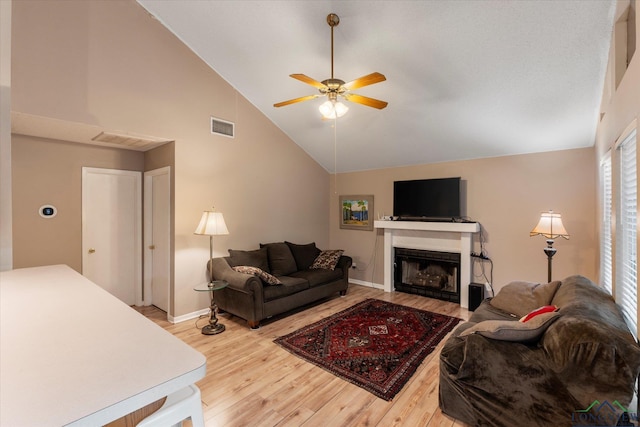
(251,381)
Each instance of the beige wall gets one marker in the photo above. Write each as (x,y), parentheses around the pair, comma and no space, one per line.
(46,171)
(506,195)
(620,108)
(621,105)
(6,233)
(110,64)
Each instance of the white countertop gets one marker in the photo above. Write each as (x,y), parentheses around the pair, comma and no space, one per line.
(71,353)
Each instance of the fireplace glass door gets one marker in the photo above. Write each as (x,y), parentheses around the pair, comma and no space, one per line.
(428,273)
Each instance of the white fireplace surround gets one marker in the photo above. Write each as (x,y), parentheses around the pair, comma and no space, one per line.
(430,236)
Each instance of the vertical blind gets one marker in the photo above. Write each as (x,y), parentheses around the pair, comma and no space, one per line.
(606,238)
(626,235)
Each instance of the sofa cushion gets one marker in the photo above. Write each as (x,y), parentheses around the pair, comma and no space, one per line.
(327,259)
(281,261)
(318,277)
(486,311)
(520,298)
(290,286)
(255,258)
(304,254)
(512,330)
(263,275)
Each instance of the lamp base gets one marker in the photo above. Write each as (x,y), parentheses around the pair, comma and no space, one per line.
(550,251)
(212,329)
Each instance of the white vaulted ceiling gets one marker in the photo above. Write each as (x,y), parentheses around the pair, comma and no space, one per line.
(465,79)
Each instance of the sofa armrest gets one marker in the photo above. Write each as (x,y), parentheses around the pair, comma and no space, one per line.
(591,356)
(345,263)
(240,281)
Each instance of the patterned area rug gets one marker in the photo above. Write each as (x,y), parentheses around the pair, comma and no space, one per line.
(376,345)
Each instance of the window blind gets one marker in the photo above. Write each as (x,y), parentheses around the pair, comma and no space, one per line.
(606,237)
(626,238)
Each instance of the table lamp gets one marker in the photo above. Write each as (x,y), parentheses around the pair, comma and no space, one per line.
(550,226)
(211,224)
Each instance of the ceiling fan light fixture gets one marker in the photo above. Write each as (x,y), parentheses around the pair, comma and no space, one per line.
(332,109)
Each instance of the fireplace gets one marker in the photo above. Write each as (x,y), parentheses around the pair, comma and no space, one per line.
(427,273)
(448,237)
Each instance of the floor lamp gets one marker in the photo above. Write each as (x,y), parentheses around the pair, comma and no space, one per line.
(550,226)
(212,224)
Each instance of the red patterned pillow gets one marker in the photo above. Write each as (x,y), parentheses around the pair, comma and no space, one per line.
(539,311)
(327,260)
(263,275)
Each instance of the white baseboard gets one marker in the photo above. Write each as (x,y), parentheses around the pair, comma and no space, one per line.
(188,316)
(367,284)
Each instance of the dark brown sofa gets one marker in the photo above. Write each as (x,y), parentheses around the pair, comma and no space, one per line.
(492,373)
(252,298)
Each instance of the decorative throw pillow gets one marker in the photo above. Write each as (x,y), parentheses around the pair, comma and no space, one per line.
(512,330)
(281,261)
(255,258)
(520,298)
(263,275)
(304,254)
(538,312)
(327,260)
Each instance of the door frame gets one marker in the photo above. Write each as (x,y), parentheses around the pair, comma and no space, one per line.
(148,234)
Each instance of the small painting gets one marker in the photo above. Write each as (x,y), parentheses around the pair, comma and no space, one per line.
(356,212)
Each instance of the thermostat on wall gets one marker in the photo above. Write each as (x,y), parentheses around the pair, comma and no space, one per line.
(47,211)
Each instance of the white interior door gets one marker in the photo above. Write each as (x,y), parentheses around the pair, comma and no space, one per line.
(112,231)
(157,236)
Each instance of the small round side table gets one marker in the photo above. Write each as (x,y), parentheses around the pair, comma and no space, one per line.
(213,327)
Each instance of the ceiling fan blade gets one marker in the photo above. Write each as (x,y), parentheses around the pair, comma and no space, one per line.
(369,102)
(365,81)
(293,101)
(308,80)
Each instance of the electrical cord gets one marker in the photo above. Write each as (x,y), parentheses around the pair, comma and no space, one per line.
(199,318)
(372,257)
(482,257)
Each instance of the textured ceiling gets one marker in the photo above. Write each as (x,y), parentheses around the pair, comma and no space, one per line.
(465,79)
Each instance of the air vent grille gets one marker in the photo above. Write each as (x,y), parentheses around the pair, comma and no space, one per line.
(222,127)
(130,141)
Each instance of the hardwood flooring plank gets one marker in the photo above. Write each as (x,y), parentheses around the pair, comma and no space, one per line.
(295,418)
(251,380)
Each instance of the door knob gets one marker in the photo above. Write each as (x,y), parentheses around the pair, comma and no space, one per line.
(92,250)
(152,247)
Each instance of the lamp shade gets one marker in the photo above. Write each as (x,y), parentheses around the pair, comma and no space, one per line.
(212,224)
(550,226)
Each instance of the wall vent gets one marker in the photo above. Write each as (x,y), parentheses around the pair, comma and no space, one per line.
(129,141)
(222,127)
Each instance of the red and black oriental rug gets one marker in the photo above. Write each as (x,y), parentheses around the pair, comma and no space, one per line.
(376,345)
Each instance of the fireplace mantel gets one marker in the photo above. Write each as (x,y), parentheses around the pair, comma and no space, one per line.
(430,236)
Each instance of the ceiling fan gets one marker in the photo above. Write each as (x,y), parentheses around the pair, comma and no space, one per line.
(334,88)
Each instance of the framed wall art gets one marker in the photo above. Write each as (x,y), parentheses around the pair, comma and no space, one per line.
(356,212)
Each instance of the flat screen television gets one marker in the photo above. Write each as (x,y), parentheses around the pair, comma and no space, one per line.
(427,199)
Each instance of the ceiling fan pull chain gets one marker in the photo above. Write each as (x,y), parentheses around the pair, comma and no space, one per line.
(335,155)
